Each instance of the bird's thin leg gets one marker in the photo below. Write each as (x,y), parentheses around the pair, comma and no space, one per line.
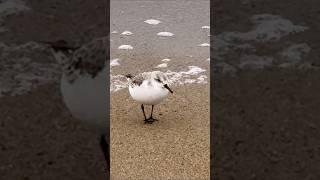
(151,114)
(144,114)
(145,118)
(150,120)
(105,149)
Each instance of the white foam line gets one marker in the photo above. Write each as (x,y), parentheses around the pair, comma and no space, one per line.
(114,62)
(118,82)
(165,34)
(189,81)
(10,7)
(152,21)
(166,60)
(126,33)
(202,78)
(193,75)
(267,27)
(23,71)
(295,52)
(204,45)
(125,47)
(193,70)
(163,65)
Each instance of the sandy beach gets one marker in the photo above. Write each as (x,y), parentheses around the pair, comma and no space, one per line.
(177,146)
(174,147)
(44,141)
(267,130)
(41,140)
(39,137)
(265,102)
(265,90)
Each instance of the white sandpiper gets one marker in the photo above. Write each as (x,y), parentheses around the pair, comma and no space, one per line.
(84,84)
(149,88)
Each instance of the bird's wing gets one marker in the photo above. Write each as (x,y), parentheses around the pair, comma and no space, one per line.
(138,79)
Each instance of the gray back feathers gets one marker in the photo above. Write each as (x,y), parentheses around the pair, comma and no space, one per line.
(155,75)
(137,80)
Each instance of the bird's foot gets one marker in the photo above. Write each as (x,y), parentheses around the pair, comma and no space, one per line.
(150,120)
(105,148)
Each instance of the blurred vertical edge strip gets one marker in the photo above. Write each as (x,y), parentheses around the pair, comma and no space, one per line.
(107,29)
(213,157)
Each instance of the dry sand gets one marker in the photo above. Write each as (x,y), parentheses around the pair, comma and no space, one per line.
(174,147)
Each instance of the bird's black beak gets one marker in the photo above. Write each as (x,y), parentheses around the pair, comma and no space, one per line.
(167,87)
(129,76)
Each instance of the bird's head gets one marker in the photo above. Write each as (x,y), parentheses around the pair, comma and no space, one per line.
(162,80)
(128,76)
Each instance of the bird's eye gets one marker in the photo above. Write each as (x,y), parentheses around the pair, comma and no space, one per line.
(158,80)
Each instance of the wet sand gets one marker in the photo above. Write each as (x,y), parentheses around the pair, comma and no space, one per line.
(265,121)
(174,147)
(266,125)
(41,140)
(39,137)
